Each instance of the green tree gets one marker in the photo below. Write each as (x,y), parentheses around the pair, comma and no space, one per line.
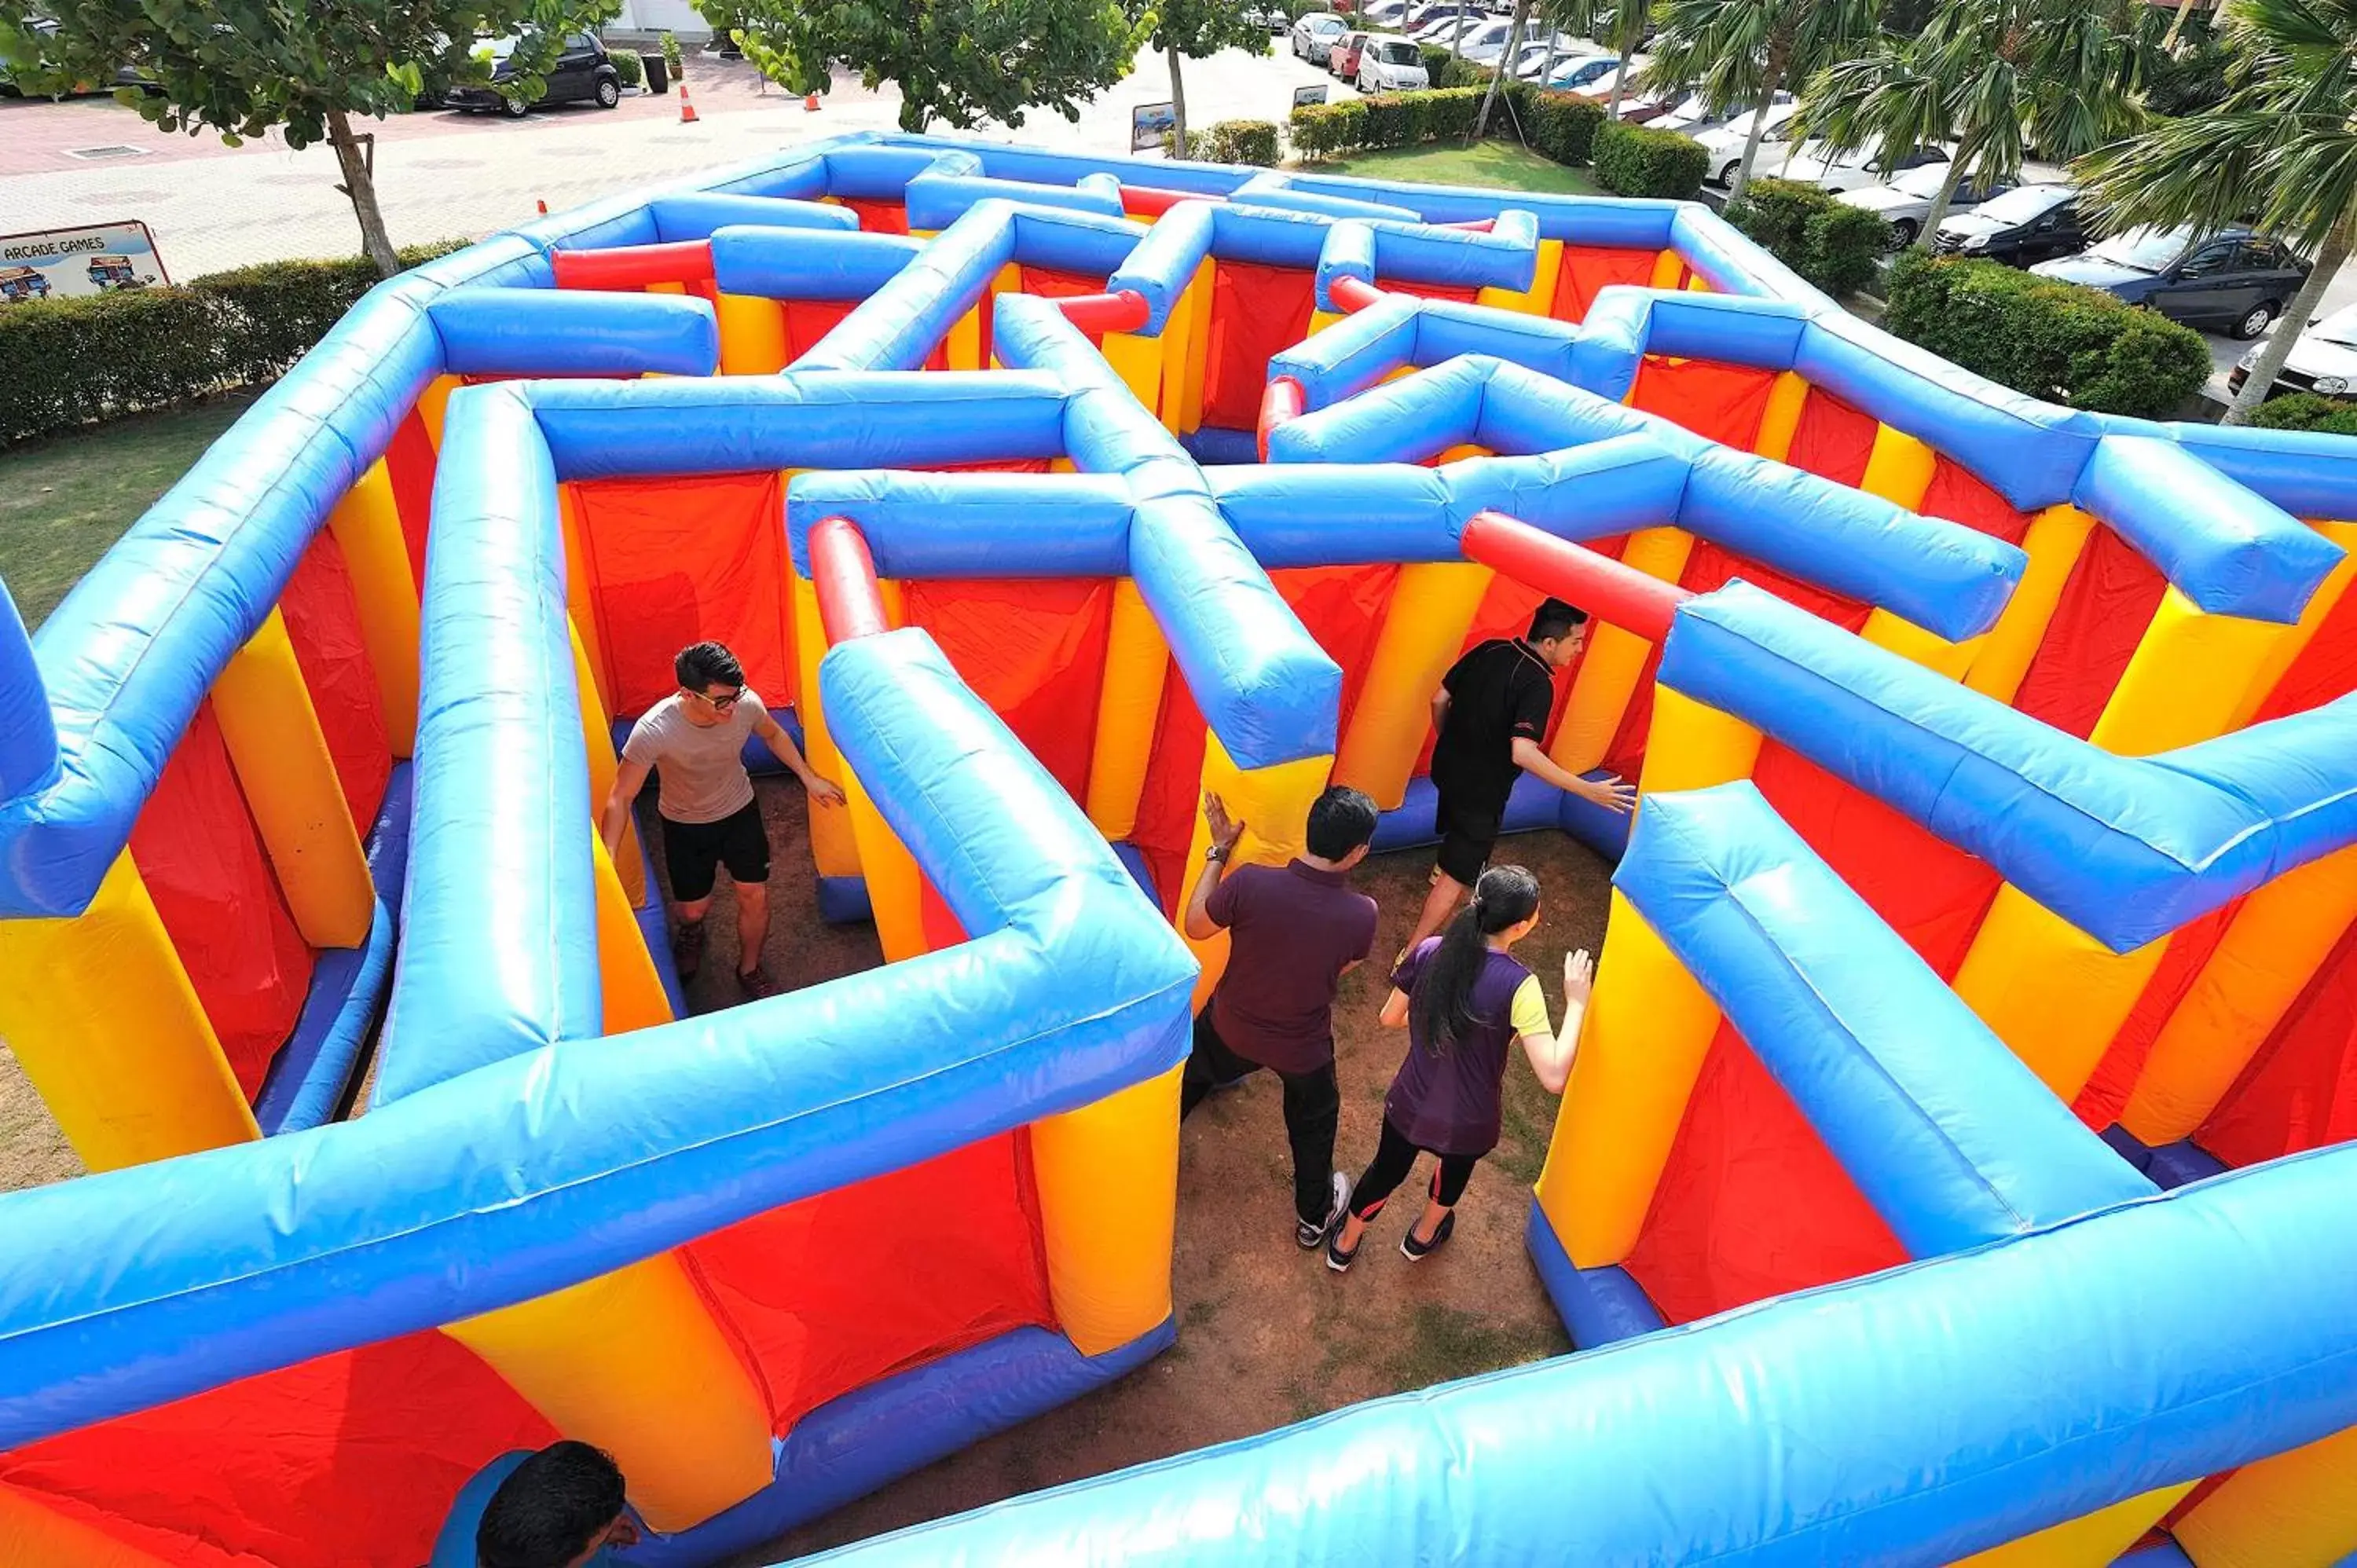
(1190,29)
(963,61)
(1990,78)
(1740,54)
(1499,72)
(245,67)
(1620,25)
(2281,151)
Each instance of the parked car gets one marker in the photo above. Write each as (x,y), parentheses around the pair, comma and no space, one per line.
(1816,163)
(1574,72)
(1690,115)
(1314,36)
(1905,200)
(1276,18)
(2323,361)
(1485,43)
(1383,14)
(1422,16)
(1391,64)
(1590,82)
(582,71)
(2237,282)
(2028,224)
(1725,144)
(1342,55)
(1536,52)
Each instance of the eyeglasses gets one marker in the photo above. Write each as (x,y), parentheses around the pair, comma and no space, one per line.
(718,704)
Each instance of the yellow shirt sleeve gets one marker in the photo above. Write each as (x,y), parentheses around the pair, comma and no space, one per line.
(1530,1009)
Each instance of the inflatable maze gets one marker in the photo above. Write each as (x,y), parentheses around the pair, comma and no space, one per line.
(1949,1170)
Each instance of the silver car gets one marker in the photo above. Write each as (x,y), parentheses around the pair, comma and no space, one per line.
(1314,36)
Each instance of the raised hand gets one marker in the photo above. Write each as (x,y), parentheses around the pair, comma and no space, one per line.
(1225,830)
(1579,976)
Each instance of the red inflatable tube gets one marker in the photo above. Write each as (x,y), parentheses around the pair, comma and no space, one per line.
(1123,312)
(1618,595)
(1472,225)
(1283,400)
(843,571)
(1152,202)
(634,266)
(1351,294)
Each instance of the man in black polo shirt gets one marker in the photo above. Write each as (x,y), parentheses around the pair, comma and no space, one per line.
(1491,714)
(1296,930)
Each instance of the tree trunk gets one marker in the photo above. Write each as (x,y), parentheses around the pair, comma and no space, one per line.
(1177,108)
(2295,321)
(2177,23)
(361,188)
(1775,78)
(1628,46)
(1941,202)
(1505,63)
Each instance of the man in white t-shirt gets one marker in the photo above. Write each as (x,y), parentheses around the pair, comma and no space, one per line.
(696,737)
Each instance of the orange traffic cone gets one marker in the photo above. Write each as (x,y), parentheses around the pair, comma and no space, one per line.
(686,104)
(810,103)
(541,202)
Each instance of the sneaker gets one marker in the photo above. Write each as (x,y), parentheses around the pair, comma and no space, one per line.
(687,949)
(1337,1260)
(1308,1234)
(1415,1251)
(757,982)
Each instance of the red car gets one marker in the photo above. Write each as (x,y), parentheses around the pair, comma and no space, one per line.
(1343,60)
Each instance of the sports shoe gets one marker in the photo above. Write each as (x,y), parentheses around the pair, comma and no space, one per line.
(1309,1236)
(757,982)
(1337,1260)
(687,949)
(1415,1251)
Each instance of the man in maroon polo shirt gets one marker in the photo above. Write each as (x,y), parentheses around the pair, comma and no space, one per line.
(1294,931)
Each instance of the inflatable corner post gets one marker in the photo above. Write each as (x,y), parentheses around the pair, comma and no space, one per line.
(1994,883)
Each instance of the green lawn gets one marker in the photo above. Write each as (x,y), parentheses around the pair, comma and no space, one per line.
(1498,166)
(64,500)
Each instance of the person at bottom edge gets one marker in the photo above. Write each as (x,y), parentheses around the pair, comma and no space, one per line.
(1465,1000)
(560,1508)
(1294,931)
(1490,720)
(694,739)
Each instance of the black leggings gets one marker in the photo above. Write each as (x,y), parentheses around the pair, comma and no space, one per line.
(1395,1155)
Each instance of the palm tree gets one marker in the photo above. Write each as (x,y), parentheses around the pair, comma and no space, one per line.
(2280,151)
(1505,67)
(1740,53)
(1619,23)
(1990,78)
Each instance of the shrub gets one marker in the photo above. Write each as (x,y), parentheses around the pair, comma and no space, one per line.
(1635,160)
(1828,241)
(64,362)
(629,67)
(671,53)
(1301,8)
(1252,142)
(1561,125)
(2061,341)
(2307,411)
(1437,65)
(1329,130)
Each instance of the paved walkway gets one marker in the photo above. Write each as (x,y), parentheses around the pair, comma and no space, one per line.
(456,176)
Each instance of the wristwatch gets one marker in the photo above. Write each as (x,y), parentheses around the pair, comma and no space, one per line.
(1216,854)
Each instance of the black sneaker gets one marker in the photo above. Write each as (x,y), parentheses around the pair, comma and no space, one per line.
(1415,1251)
(1308,1234)
(687,949)
(757,982)
(1337,1260)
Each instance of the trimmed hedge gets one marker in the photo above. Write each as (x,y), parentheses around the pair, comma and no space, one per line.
(1387,120)
(2061,341)
(1560,126)
(67,362)
(1636,160)
(629,67)
(2307,411)
(1250,142)
(1834,245)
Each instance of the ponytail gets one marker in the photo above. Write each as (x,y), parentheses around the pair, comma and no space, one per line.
(1442,1004)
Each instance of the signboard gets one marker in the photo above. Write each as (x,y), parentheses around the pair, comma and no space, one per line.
(96,258)
(1308,97)
(1148,124)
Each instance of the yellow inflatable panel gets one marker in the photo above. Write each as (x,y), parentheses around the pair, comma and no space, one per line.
(2296,1511)
(108,1029)
(1648,1026)
(1129,711)
(1693,746)
(288,777)
(581,593)
(834,848)
(1138,361)
(1898,469)
(2191,673)
(2091,1540)
(630,991)
(1782,416)
(1432,608)
(1107,1176)
(597,743)
(367,528)
(2053,542)
(895,887)
(1668,268)
(632,1362)
(2321,603)
(1274,805)
(752,335)
(1537,299)
(1615,660)
(2268,956)
(2049,990)
(434,406)
(1930,650)
(33,1535)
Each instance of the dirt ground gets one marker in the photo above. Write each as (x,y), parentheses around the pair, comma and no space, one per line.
(1267,1335)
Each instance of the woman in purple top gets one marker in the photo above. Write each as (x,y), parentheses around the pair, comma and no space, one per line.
(1465,1001)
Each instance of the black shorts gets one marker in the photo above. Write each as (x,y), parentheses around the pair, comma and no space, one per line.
(692,850)
(1467,836)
